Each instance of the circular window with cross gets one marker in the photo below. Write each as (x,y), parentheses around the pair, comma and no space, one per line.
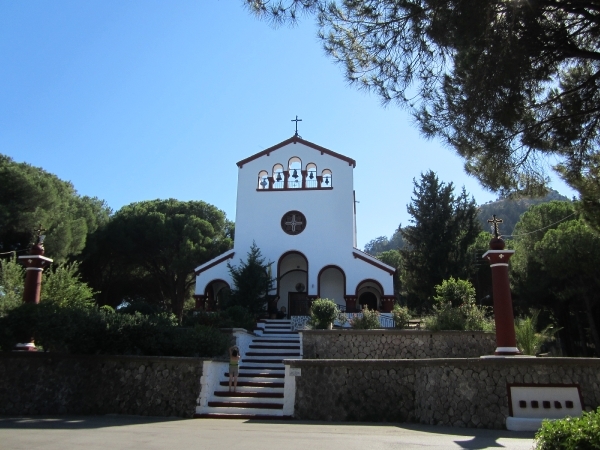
(293,222)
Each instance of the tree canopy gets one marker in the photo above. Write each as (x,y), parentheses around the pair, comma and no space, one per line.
(383,244)
(30,196)
(512,86)
(148,251)
(443,227)
(554,270)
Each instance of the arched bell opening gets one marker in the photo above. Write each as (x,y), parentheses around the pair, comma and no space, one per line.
(311,176)
(292,284)
(263,180)
(278,177)
(295,173)
(326,178)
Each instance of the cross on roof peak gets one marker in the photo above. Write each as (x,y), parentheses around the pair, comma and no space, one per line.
(296,120)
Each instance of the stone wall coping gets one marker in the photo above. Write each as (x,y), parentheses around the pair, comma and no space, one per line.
(368,363)
(393,331)
(233,330)
(64,356)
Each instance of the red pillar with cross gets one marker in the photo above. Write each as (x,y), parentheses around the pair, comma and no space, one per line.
(506,341)
(35,263)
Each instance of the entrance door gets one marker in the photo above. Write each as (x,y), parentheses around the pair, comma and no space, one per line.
(368,299)
(298,304)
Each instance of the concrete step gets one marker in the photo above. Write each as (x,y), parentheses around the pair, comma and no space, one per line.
(242,416)
(257,375)
(263,366)
(246,404)
(267,353)
(249,394)
(228,410)
(276,341)
(278,332)
(276,321)
(263,384)
(274,347)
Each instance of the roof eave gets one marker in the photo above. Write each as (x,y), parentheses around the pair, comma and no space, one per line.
(295,140)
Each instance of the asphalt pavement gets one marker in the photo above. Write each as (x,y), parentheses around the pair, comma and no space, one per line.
(149,433)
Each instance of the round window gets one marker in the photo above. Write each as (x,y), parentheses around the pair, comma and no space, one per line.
(293,222)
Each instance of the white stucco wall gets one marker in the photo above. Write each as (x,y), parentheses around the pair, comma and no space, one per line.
(328,238)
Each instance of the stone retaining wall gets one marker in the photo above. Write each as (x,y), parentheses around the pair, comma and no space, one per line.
(396,344)
(50,383)
(451,392)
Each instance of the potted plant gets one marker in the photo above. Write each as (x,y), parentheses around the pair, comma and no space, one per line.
(323,313)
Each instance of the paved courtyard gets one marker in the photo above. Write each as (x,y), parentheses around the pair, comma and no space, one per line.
(132,432)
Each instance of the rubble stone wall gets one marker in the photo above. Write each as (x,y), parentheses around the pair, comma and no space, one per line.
(49,383)
(451,392)
(396,344)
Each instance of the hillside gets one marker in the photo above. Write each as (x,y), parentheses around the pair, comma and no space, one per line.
(510,210)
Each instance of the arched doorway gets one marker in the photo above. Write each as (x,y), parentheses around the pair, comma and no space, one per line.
(292,283)
(367,299)
(217,294)
(332,284)
(369,293)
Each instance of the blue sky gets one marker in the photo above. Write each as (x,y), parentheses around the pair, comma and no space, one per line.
(138,100)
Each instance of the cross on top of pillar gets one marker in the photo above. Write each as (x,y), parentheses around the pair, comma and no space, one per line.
(495,221)
(39,236)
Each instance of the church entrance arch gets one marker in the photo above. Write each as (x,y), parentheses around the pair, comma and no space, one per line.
(369,293)
(216,293)
(292,283)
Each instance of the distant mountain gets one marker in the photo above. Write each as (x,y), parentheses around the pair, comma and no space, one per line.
(510,210)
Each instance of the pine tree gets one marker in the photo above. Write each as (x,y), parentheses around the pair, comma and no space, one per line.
(251,281)
(443,226)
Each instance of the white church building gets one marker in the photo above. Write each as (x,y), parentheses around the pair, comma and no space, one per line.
(296,201)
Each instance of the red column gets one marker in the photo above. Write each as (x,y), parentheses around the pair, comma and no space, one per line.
(35,263)
(506,341)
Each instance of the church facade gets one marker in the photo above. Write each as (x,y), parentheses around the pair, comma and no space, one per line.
(296,201)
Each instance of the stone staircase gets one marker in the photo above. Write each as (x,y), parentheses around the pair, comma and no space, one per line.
(260,388)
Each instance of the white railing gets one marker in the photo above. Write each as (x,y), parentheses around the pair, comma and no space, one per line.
(385,319)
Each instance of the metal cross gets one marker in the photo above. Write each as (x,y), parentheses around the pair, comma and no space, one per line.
(296,120)
(39,231)
(293,223)
(495,223)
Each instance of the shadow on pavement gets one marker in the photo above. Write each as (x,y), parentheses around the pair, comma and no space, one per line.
(481,438)
(79,422)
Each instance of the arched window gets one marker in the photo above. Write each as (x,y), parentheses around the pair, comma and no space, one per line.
(311,175)
(278,176)
(327,180)
(263,180)
(295,169)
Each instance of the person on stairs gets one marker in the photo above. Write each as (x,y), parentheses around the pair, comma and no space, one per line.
(234,366)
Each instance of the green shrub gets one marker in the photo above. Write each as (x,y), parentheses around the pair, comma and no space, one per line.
(401,316)
(62,285)
(455,291)
(323,312)
(465,317)
(12,279)
(85,330)
(529,340)
(455,309)
(368,321)
(571,433)
(232,317)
